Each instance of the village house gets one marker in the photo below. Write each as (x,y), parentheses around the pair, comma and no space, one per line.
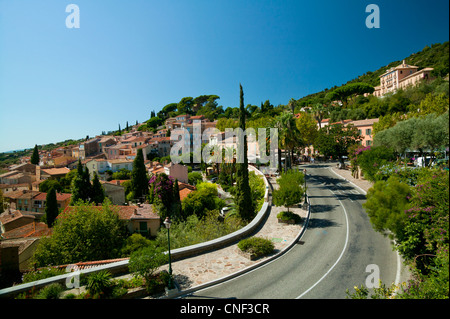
(105,141)
(138,218)
(101,166)
(12,219)
(115,191)
(51,173)
(38,202)
(177,171)
(185,189)
(89,148)
(365,129)
(20,234)
(33,202)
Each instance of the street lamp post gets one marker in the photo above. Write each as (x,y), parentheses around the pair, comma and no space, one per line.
(168,223)
(304,177)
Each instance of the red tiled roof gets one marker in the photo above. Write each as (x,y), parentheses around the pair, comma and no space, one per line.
(9,217)
(59,196)
(90,264)
(56,171)
(127,212)
(25,194)
(182,185)
(160,139)
(35,229)
(184,193)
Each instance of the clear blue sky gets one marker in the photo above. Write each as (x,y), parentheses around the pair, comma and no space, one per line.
(131,57)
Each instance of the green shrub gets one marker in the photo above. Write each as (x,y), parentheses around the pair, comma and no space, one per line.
(134,242)
(52,291)
(158,282)
(256,245)
(100,284)
(146,261)
(289,216)
(42,274)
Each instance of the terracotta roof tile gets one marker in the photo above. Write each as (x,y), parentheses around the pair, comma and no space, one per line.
(56,171)
(35,229)
(184,193)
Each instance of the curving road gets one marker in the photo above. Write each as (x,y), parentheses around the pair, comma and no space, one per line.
(331,256)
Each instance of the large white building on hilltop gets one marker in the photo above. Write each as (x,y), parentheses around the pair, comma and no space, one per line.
(400,77)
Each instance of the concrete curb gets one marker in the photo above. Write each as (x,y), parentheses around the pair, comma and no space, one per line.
(342,177)
(399,257)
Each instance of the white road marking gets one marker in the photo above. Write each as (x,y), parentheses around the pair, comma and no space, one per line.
(340,256)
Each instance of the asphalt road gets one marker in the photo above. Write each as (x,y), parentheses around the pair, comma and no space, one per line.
(338,251)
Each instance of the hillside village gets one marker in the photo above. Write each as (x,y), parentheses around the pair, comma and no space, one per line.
(110,158)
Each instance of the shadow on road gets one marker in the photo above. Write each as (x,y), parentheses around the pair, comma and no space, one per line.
(321,223)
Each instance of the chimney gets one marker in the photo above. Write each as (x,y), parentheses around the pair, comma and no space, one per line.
(118,182)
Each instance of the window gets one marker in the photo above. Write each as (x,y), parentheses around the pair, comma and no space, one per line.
(368,131)
(359,132)
(368,142)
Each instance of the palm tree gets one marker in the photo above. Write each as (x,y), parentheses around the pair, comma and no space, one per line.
(319,112)
(291,104)
(288,137)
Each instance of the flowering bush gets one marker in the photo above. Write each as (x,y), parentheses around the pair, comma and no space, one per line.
(427,225)
(371,159)
(162,193)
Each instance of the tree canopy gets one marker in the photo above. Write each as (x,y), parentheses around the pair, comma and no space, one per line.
(82,233)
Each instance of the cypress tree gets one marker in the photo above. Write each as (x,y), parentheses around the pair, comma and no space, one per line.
(81,185)
(139,179)
(176,197)
(51,207)
(87,187)
(243,197)
(77,184)
(35,156)
(98,194)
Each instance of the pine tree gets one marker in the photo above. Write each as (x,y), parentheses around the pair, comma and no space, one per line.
(139,179)
(51,207)
(243,198)
(35,156)
(98,194)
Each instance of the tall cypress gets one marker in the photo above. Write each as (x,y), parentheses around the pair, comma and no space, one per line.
(35,156)
(51,207)
(176,199)
(139,179)
(98,194)
(243,197)
(81,185)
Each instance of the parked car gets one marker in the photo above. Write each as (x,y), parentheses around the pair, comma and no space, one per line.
(441,163)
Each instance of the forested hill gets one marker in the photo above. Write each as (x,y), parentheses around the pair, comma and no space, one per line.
(435,56)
